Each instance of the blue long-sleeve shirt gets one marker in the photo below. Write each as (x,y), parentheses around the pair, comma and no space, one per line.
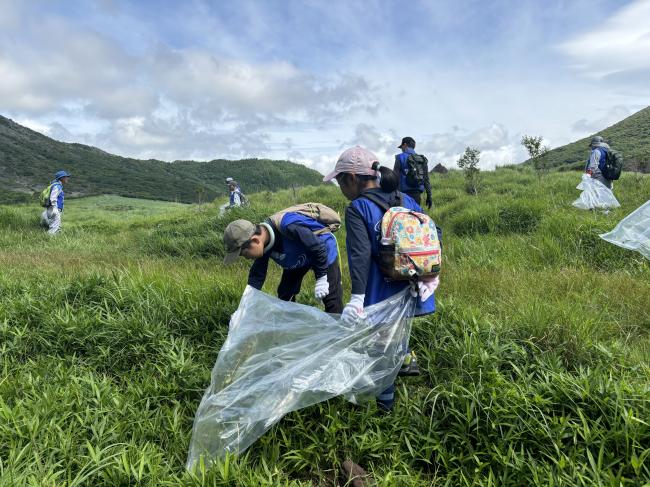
(296,246)
(363,228)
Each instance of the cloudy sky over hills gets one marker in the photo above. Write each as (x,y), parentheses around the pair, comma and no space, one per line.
(304,79)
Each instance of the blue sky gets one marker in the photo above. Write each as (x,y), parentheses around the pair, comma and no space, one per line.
(304,79)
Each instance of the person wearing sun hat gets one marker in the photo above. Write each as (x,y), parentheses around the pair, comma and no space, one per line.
(54,198)
(362,179)
(294,246)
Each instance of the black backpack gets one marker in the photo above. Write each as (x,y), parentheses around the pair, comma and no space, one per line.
(417,169)
(612,166)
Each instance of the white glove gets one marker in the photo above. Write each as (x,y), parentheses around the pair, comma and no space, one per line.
(427,287)
(353,311)
(55,210)
(322,287)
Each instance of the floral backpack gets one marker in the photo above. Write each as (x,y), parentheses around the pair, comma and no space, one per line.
(409,247)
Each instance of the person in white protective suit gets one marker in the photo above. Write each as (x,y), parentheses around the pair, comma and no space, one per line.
(51,216)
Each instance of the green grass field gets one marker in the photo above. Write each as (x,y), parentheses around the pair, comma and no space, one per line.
(536,365)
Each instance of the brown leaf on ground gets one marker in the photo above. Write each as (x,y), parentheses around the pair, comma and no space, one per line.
(356,475)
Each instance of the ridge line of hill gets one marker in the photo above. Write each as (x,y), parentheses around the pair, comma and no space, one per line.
(28,159)
(630,136)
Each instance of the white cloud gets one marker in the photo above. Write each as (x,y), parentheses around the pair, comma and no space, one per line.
(305,81)
(620,43)
(497,145)
(9,14)
(586,126)
(161,101)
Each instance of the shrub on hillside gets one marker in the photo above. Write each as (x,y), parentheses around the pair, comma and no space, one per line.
(518,217)
(469,163)
(474,221)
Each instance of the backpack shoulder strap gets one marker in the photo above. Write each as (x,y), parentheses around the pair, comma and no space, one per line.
(380,202)
(376,200)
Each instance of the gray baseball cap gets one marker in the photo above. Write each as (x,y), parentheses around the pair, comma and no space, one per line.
(597,139)
(237,233)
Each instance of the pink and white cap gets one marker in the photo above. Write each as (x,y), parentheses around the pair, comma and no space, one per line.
(355,160)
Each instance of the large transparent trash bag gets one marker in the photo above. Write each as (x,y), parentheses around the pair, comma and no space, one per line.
(594,195)
(633,231)
(281,356)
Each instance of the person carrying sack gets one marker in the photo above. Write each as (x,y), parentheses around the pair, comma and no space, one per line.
(51,199)
(298,239)
(357,171)
(604,164)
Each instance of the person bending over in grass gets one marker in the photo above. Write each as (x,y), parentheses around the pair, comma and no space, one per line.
(357,171)
(298,244)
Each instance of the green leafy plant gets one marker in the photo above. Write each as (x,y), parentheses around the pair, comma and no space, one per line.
(468,162)
(537,152)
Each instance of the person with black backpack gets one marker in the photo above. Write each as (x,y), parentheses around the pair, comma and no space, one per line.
(413,170)
(604,164)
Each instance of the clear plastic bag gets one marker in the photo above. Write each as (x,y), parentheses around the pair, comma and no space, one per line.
(594,195)
(633,231)
(282,356)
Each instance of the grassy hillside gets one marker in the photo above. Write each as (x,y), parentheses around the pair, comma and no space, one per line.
(630,136)
(536,364)
(29,159)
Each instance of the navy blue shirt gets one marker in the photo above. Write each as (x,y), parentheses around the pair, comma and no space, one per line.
(363,227)
(296,247)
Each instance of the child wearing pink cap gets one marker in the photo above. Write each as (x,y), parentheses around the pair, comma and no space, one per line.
(372,189)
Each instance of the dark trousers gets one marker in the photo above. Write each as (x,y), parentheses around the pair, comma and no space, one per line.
(416,195)
(291,281)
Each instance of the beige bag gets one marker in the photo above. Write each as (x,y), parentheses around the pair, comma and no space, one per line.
(319,212)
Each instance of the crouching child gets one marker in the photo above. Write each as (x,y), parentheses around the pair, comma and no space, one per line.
(298,239)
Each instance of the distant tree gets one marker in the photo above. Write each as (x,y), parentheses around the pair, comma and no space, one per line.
(468,162)
(200,194)
(536,151)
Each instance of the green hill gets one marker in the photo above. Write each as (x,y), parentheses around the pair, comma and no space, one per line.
(630,136)
(28,159)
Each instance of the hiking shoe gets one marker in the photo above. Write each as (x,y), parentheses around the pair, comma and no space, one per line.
(409,366)
(383,408)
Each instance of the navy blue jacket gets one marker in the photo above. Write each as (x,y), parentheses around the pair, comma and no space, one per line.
(363,227)
(296,247)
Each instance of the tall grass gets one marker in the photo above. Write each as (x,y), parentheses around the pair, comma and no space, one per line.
(536,365)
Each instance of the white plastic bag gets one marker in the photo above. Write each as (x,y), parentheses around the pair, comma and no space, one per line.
(633,231)
(594,195)
(282,356)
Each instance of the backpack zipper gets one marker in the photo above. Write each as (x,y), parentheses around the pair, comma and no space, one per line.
(392,220)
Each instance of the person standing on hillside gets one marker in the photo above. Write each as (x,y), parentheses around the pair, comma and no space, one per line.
(371,189)
(235,195)
(298,244)
(237,198)
(413,170)
(52,199)
(598,155)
